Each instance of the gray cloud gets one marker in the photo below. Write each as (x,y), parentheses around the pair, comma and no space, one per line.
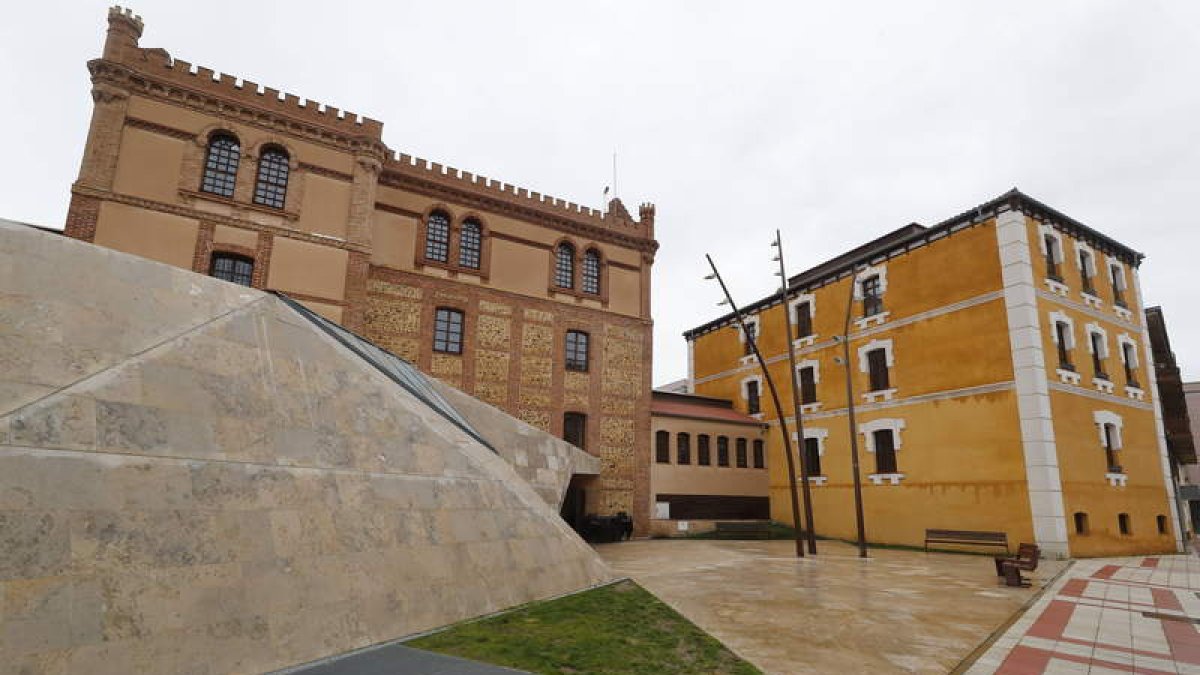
(832,121)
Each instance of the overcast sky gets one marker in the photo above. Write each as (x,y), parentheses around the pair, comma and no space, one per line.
(835,122)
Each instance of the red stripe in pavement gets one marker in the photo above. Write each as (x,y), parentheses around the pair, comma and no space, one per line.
(1164,599)
(1106,572)
(1024,660)
(1074,588)
(1053,621)
(1150,562)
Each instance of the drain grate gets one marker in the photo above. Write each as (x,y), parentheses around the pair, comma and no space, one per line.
(1170,617)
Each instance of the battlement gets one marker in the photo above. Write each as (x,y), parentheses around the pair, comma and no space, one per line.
(159,64)
(615,219)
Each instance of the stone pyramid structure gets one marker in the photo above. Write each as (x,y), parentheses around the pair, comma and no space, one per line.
(196,477)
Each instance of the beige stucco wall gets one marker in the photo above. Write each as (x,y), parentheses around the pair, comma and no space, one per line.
(158,180)
(150,234)
(692,479)
(223,234)
(311,269)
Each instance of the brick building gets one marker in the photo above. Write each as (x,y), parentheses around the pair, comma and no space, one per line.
(538,306)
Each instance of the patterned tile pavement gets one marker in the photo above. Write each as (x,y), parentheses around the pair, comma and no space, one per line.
(1112,615)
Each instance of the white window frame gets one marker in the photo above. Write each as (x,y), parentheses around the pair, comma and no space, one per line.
(746,393)
(880,270)
(896,426)
(1043,230)
(1090,272)
(1097,329)
(1065,376)
(821,434)
(864,367)
(811,299)
(1122,278)
(1103,417)
(1124,339)
(816,366)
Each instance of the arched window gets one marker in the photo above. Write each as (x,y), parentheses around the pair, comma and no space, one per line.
(1161,520)
(221,165)
(236,269)
(437,237)
(683,447)
(662,447)
(470,244)
(591,272)
(564,266)
(271,187)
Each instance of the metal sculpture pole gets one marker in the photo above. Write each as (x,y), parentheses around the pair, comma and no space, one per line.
(858,504)
(787,441)
(796,409)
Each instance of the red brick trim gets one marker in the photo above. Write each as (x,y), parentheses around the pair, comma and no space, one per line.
(82,216)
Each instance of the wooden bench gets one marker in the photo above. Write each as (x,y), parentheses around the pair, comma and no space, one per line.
(759,529)
(1010,567)
(966,538)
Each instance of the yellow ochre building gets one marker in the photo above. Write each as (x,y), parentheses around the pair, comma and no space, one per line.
(1000,381)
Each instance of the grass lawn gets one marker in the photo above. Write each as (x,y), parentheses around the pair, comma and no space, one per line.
(619,628)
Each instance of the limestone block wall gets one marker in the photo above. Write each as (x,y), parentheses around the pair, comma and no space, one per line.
(545,462)
(194,478)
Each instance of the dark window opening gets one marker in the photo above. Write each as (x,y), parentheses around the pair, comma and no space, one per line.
(1061,331)
(1110,448)
(470,244)
(703,455)
(741,453)
(722,451)
(448,331)
(804,326)
(575,429)
(1129,354)
(760,459)
(683,448)
(1117,285)
(1052,258)
(1081,523)
(872,295)
(1097,357)
(1085,274)
(237,269)
(753,405)
(591,272)
(271,187)
(877,368)
(750,336)
(1162,524)
(812,456)
(577,351)
(221,165)
(808,385)
(885,451)
(564,266)
(662,447)
(437,237)
(1123,523)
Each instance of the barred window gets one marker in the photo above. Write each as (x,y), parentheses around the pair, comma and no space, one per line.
(575,429)
(271,187)
(236,269)
(703,455)
(437,237)
(564,266)
(722,451)
(872,294)
(662,447)
(591,272)
(448,331)
(577,350)
(741,453)
(760,460)
(470,244)
(683,446)
(221,165)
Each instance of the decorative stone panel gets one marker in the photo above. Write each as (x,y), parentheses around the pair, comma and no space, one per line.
(616,431)
(535,418)
(491,365)
(536,371)
(494,332)
(443,365)
(535,398)
(577,381)
(398,290)
(538,315)
(386,316)
(575,399)
(495,393)
(486,307)
(537,339)
(611,405)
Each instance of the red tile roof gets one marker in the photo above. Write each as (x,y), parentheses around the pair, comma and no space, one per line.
(675,408)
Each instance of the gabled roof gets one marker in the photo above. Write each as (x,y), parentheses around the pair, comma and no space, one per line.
(913,235)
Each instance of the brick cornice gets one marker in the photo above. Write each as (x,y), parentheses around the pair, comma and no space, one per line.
(183,211)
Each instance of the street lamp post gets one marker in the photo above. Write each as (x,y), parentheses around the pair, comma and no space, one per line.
(796,409)
(787,442)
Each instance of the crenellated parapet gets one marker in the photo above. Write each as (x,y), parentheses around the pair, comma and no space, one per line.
(121,46)
(404,170)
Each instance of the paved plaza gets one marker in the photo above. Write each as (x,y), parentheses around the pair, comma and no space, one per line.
(1115,615)
(897,611)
